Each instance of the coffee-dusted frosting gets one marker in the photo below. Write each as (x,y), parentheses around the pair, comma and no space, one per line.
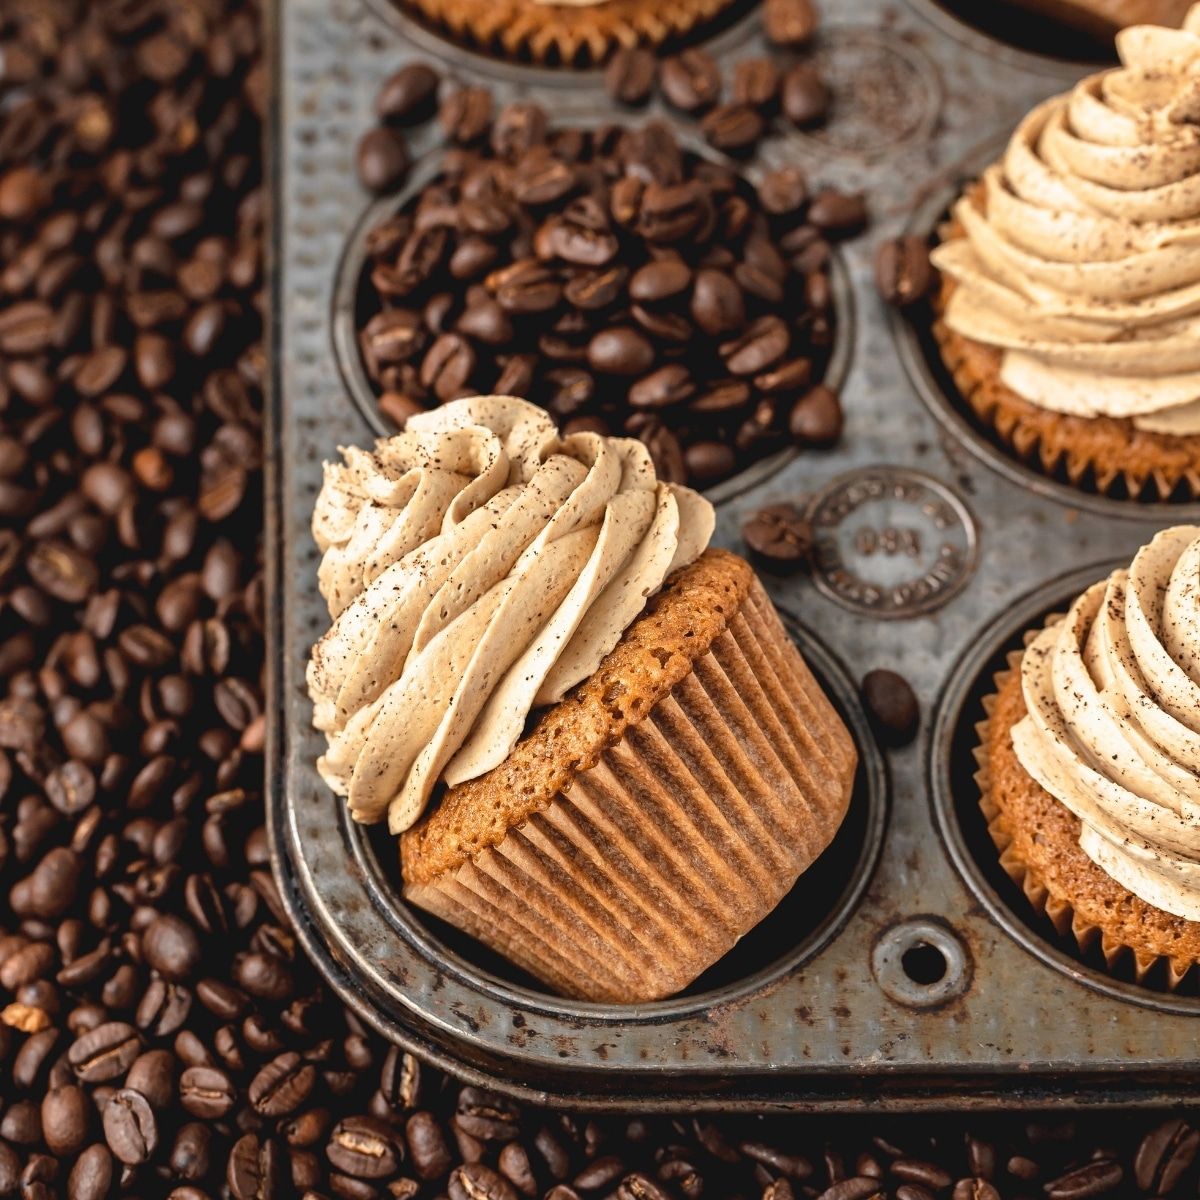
(1113,729)
(1083,261)
(477,566)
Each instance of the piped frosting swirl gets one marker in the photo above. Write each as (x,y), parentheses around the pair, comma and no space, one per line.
(476,566)
(1082,263)
(1113,727)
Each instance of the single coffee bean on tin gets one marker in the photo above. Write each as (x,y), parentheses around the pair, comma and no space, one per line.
(805,98)
(779,537)
(790,23)
(691,81)
(894,713)
(630,75)
(409,95)
(903,272)
(383,159)
(816,418)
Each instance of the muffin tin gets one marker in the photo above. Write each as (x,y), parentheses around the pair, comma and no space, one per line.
(903,973)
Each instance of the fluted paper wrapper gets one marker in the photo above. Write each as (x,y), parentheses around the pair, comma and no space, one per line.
(683,836)
(1055,906)
(575,35)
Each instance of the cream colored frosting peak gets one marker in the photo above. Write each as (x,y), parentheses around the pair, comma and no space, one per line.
(1083,264)
(476,565)
(1113,728)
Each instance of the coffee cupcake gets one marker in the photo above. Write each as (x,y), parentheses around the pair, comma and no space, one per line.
(1102,18)
(607,759)
(1090,763)
(1069,315)
(574,33)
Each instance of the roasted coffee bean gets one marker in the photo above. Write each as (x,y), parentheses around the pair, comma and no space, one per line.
(206,1092)
(283,1085)
(1098,1178)
(838,212)
(130,1128)
(779,536)
(804,96)
(969,1189)
(756,82)
(408,96)
(1162,1158)
(475,1181)
(171,947)
(903,272)
(691,81)
(816,418)
(758,348)
(383,159)
(65,1117)
(92,1175)
(620,351)
(856,1187)
(153,1074)
(364,1148)
(718,304)
(105,1052)
(790,23)
(466,114)
(630,75)
(783,191)
(733,129)
(894,713)
(255,1170)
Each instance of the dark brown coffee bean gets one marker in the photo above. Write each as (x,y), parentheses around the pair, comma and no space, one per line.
(408,96)
(1163,1156)
(790,23)
(364,1148)
(970,1189)
(206,1092)
(171,947)
(838,212)
(631,75)
(255,1170)
(779,536)
(691,81)
(65,1117)
(1097,1178)
(382,159)
(903,272)
(475,1181)
(620,351)
(783,191)
(816,418)
(153,1074)
(734,129)
(283,1085)
(105,1052)
(892,709)
(91,1177)
(756,82)
(718,306)
(857,1187)
(466,114)
(759,347)
(709,462)
(130,1128)
(804,96)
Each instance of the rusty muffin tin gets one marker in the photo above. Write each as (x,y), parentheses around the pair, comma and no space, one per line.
(903,972)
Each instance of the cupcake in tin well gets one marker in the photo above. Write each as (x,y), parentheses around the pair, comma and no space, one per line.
(577,33)
(1069,310)
(607,759)
(1090,763)
(1103,17)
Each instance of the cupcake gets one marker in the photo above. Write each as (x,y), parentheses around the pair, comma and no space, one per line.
(575,33)
(1090,763)
(1102,18)
(1068,314)
(605,757)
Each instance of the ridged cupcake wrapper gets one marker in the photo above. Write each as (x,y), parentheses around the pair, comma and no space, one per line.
(1057,908)
(685,834)
(1052,458)
(571,36)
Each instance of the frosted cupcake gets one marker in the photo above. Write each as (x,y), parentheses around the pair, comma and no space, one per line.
(1090,763)
(606,757)
(1071,277)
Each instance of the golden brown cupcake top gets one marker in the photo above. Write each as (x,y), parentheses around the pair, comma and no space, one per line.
(679,625)
(1083,261)
(477,566)
(1113,727)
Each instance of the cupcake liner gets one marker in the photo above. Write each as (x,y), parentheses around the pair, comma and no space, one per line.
(569,36)
(1101,454)
(1044,897)
(683,836)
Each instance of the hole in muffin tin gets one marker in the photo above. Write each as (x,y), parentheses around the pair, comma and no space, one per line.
(956,797)
(802,924)
(723,30)
(921,963)
(350,300)
(1038,41)
(912,329)
(924,963)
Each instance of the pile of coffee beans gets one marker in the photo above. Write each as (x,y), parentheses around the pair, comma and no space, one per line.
(161,1034)
(624,284)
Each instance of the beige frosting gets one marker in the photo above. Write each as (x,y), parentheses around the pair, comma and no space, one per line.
(1113,729)
(1085,269)
(476,566)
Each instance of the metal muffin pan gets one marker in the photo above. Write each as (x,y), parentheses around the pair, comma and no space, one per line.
(928,551)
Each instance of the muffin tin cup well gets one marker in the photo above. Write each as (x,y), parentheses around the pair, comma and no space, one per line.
(924,537)
(931,380)
(347,292)
(956,797)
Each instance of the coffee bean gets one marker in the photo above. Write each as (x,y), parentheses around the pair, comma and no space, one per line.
(894,714)
(816,418)
(759,347)
(972,1189)
(857,1187)
(790,23)
(1164,1155)
(631,75)
(206,1092)
(903,272)
(733,129)
(779,536)
(283,1085)
(1097,1178)
(804,97)
(756,82)
(466,114)
(255,1170)
(92,1175)
(65,1116)
(475,1181)
(130,1128)
(408,95)
(382,159)
(105,1052)
(427,1146)
(364,1148)
(838,212)
(718,305)
(783,191)
(171,947)
(691,81)
(620,351)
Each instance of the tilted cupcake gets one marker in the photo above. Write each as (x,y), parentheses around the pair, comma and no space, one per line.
(1070,309)
(606,757)
(574,33)
(1090,762)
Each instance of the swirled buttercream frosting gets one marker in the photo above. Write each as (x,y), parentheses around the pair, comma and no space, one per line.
(476,566)
(1113,724)
(1080,254)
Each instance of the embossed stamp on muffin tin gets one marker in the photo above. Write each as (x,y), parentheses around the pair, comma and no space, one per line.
(912,980)
(891,542)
